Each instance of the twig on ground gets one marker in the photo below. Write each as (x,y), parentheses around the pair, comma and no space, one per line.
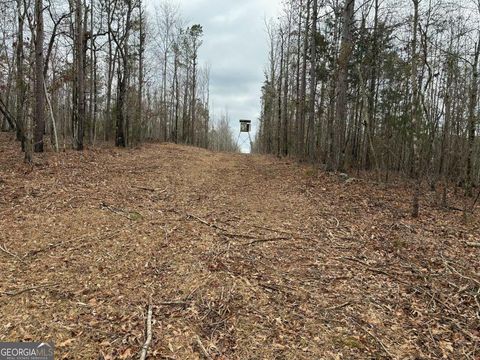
(165,229)
(375,338)
(271,229)
(478,304)
(267,240)
(473,244)
(270,287)
(148,334)
(337,222)
(463,331)
(454,208)
(367,266)
(61,243)
(202,348)
(395,276)
(227,233)
(21,291)
(130,215)
(223,230)
(452,268)
(160,191)
(241,236)
(282,231)
(114,210)
(338,307)
(475,202)
(173,303)
(195,289)
(204,222)
(8,252)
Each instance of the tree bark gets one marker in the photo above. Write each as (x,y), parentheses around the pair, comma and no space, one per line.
(303,86)
(472,123)
(79,93)
(313,82)
(20,80)
(39,114)
(415,114)
(342,81)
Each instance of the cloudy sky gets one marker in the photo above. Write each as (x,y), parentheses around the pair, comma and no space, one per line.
(235,45)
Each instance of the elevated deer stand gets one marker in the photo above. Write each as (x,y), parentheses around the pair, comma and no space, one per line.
(245,126)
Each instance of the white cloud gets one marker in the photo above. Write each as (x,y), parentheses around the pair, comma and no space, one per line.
(235,45)
(229,17)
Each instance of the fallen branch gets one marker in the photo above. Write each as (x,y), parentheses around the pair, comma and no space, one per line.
(475,202)
(8,252)
(461,328)
(130,215)
(337,307)
(367,266)
(337,222)
(375,338)
(18,292)
(282,231)
(148,336)
(270,287)
(255,238)
(204,222)
(452,268)
(78,239)
(237,235)
(174,303)
(202,348)
(223,230)
(473,244)
(267,240)
(395,276)
(454,208)
(149,189)
(114,209)
(272,229)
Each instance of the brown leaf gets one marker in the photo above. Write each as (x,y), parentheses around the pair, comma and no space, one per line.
(126,354)
(67,342)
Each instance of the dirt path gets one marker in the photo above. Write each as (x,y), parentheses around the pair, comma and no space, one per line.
(256,257)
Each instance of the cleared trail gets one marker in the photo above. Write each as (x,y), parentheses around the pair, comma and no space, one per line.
(241,257)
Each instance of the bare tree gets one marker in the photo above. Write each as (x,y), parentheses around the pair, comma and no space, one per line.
(79,86)
(39,114)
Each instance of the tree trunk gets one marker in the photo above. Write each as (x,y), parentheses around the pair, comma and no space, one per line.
(472,105)
(279,92)
(20,80)
(140,73)
(177,94)
(373,86)
(313,82)
(121,138)
(79,97)
(415,114)
(110,72)
(303,86)
(39,114)
(341,81)
(285,92)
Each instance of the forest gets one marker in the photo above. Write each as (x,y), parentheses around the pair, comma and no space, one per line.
(134,226)
(83,72)
(384,86)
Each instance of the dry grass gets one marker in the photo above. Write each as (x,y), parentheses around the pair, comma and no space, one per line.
(249,256)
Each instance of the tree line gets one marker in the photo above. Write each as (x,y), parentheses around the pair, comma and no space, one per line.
(81,71)
(382,85)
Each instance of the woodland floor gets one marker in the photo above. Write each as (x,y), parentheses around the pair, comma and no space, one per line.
(250,256)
